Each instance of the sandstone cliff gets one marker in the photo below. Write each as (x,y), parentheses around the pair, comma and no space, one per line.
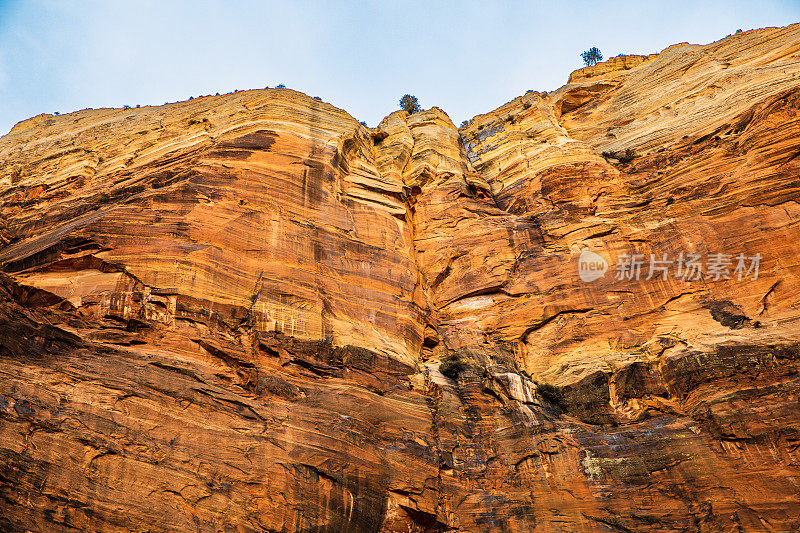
(250,312)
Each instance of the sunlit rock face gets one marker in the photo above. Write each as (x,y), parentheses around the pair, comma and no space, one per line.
(250,312)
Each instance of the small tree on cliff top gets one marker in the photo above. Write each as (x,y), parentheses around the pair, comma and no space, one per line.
(410,104)
(592,56)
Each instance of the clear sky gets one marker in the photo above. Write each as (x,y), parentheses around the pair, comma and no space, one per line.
(465,57)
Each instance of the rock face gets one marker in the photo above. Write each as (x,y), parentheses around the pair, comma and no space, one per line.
(252,313)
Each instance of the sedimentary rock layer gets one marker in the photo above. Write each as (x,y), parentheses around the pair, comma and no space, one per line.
(250,312)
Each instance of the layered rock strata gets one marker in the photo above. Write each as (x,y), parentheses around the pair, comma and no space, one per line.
(252,313)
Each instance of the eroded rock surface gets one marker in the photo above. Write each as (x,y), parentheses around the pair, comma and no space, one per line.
(250,312)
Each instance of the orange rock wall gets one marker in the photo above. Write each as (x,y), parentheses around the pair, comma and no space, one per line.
(252,313)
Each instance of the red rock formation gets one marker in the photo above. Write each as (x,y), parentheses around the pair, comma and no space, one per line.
(251,313)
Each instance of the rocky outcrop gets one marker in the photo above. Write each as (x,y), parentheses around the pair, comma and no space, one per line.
(250,312)
(610,67)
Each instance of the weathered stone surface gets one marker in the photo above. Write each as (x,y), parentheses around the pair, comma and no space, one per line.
(251,313)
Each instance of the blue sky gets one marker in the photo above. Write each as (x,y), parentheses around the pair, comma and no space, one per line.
(465,57)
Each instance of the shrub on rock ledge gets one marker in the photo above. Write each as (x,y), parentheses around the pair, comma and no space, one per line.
(592,56)
(410,104)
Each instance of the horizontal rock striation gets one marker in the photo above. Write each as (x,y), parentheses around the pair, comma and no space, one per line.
(250,312)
